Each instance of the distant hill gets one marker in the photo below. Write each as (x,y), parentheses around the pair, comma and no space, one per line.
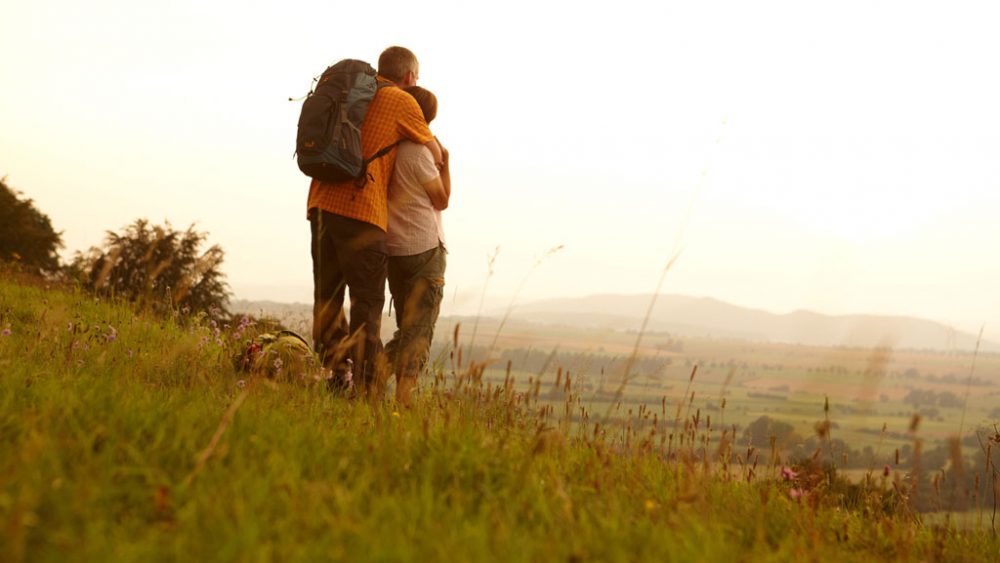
(699,317)
(703,316)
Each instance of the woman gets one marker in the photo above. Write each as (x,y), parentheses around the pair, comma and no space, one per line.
(415,243)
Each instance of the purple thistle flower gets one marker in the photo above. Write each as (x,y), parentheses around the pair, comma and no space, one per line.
(788,474)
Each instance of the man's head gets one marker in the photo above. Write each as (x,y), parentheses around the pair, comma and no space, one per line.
(400,65)
(428,101)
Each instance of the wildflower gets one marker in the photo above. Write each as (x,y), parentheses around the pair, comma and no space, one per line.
(885,470)
(395,414)
(788,474)
(129,352)
(69,328)
(112,334)
(349,374)
(5,332)
(241,384)
(278,363)
(796,494)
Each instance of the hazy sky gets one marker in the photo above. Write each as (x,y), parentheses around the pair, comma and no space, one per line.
(842,156)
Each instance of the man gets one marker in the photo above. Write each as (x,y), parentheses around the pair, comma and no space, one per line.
(348,226)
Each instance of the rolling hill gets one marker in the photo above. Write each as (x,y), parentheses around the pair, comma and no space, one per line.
(706,317)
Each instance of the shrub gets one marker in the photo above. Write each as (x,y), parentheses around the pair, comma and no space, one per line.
(156,267)
(26,234)
(760,431)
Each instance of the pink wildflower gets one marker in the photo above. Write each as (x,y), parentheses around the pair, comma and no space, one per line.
(788,474)
(796,494)
(5,332)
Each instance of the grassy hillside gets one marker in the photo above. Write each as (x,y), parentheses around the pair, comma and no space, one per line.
(129,437)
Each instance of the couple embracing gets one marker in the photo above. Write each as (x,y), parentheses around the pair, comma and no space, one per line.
(391,228)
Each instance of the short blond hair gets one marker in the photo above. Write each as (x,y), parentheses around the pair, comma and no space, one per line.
(395,62)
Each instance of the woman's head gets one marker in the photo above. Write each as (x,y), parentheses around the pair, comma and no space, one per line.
(427,101)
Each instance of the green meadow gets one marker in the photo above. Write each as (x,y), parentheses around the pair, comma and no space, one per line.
(128,436)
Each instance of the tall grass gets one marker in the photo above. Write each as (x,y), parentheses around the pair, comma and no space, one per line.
(131,437)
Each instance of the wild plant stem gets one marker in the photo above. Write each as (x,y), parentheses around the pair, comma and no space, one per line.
(968,382)
(642,331)
(517,293)
(490,259)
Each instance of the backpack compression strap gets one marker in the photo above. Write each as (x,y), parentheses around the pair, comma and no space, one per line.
(365,176)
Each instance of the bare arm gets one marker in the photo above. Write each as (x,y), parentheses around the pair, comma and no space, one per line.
(436,150)
(436,191)
(445,173)
(439,188)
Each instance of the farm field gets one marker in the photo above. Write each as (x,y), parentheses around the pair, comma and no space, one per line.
(866,388)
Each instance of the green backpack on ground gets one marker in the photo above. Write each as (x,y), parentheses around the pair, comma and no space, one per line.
(284,355)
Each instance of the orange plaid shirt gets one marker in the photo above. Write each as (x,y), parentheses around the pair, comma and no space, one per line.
(392,116)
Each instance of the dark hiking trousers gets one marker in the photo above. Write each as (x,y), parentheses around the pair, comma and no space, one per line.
(417,286)
(347,254)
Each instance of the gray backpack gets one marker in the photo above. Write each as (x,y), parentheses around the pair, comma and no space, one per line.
(328,144)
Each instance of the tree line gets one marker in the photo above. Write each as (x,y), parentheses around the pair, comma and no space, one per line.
(157,267)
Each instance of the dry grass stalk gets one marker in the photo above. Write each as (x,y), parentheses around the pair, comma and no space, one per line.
(206,453)
(968,381)
(517,293)
(490,260)
(620,392)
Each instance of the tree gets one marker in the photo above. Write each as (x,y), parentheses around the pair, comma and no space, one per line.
(156,267)
(26,234)
(760,431)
